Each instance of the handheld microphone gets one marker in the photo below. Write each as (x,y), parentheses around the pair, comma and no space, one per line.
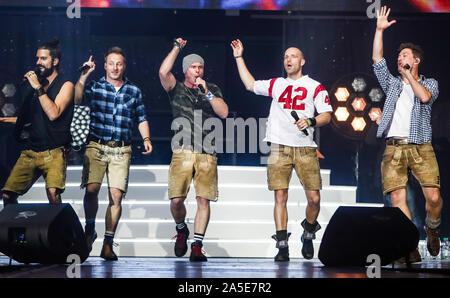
(407,66)
(83,68)
(37,71)
(295,116)
(200,86)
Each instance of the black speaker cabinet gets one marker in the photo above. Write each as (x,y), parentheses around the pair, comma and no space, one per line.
(354,233)
(41,233)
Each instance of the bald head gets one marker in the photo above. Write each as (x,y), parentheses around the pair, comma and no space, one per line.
(295,51)
(293,62)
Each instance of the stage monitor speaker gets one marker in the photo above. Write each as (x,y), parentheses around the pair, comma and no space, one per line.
(41,233)
(354,233)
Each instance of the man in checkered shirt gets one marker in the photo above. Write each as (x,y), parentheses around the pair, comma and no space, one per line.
(405,124)
(116,105)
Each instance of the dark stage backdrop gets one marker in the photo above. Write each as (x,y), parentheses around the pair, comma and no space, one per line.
(335,45)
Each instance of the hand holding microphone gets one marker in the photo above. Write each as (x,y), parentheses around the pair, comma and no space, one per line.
(301,123)
(87,67)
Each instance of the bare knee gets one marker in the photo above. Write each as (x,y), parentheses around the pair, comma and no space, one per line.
(177,202)
(313,199)
(434,198)
(202,203)
(281,196)
(398,197)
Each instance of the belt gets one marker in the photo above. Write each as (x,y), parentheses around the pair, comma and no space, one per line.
(395,141)
(112,144)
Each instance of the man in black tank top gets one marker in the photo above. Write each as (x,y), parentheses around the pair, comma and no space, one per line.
(43,125)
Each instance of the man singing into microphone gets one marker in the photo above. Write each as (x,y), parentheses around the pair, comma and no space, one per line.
(116,104)
(43,125)
(406,126)
(191,160)
(292,144)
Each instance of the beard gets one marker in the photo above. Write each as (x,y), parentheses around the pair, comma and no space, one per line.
(46,72)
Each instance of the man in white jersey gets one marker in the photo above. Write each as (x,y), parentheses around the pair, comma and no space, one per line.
(406,126)
(292,144)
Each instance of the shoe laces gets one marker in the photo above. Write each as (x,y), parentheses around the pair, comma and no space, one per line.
(197,250)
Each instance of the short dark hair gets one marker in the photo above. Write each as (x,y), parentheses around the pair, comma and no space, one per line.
(416,49)
(115,50)
(53,47)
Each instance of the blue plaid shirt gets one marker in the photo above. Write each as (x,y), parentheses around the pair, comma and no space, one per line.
(113,113)
(420,122)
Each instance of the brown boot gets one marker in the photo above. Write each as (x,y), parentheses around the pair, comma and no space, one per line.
(107,252)
(414,257)
(433,243)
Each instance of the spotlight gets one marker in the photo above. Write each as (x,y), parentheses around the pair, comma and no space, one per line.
(341,114)
(376,95)
(9,90)
(359,104)
(374,113)
(358,124)
(359,84)
(342,94)
(355,99)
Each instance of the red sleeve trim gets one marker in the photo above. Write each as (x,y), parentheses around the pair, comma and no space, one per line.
(319,89)
(272,82)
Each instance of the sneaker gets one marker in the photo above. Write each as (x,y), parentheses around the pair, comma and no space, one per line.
(433,243)
(107,252)
(197,253)
(90,239)
(307,240)
(414,257)
(283,249)
(181,242)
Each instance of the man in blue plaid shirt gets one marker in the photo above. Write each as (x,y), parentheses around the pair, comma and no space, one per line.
(406,126)
(116,104)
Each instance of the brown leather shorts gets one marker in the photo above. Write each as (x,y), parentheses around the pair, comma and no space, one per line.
(283,159)
(420,159)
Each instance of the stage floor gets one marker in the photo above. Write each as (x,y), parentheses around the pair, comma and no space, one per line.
(235,268)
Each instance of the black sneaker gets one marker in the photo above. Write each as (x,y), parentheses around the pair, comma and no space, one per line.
(197,253)
(283,249)
(307,240)
(181,242)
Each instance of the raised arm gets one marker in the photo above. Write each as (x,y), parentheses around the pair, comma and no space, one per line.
(166,77)
(246,76)
(382,24)
(79,86)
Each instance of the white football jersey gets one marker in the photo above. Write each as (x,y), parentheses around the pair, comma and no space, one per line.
(305,96)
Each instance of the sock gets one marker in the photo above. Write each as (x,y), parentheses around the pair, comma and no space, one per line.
(198,239)
(432,224)
(109,237)
(181,226)
(310,227)
(90,226)
(282,235)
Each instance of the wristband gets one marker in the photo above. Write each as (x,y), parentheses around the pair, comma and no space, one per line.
(177,44)
(146,138)
(40,91)
(209,96)
(237,57)
(311,121)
